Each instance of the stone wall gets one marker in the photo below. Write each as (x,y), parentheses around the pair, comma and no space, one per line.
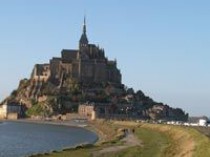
(3,112)
(12,116)
(73,116)
(41,72)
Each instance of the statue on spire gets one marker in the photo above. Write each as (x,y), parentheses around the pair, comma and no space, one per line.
(84,26)
(83,42)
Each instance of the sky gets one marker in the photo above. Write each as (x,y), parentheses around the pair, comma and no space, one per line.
(162,47)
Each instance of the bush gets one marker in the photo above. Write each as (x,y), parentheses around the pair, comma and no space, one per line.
(37,110)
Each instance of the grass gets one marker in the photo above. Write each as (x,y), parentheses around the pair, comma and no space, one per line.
(202,148)
(185,141)
(154,144)
(68,153)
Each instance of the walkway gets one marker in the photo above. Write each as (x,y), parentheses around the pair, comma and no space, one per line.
(130,140)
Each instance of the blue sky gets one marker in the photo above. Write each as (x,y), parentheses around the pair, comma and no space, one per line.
(162,47)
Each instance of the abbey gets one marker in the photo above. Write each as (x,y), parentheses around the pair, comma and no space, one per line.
(87,64)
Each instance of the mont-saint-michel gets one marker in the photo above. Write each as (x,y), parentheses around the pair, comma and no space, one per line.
(125,78)
(86,82)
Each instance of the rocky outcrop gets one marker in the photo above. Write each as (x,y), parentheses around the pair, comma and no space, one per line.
(65,99)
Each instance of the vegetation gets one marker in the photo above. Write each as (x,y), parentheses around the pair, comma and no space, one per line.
(202,148)
(49,89)
(157,141)
(154,144)
(184,141)
(38,110)
(83,152)
(64,95)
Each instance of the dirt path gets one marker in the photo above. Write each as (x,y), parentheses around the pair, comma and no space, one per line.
(130,140)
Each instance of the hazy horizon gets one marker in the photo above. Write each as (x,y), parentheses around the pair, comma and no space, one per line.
(161,47)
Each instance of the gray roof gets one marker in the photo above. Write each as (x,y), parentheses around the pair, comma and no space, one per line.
(68,55)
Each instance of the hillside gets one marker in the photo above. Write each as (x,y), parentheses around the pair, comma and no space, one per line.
(51,100)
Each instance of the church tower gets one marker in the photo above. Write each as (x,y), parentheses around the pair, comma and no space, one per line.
(83,42)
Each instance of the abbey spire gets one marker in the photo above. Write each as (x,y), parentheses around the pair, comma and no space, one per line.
(83,42)
(84,26)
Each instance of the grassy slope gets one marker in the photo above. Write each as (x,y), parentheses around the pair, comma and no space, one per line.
(158,141)
(69,153)
(166,140)
(154,143)
(181,142)
(202,147)
(185,141)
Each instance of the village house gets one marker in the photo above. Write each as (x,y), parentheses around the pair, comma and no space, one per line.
(87,111)
(10,111)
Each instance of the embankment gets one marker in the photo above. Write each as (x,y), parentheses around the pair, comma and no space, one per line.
(182,141)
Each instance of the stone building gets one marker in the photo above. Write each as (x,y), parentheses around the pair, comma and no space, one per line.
(94,110)
(41,72)
(87,64)
(10,111)
(87,111)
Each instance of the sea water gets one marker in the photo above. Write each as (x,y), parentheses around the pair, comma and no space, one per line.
(20,139)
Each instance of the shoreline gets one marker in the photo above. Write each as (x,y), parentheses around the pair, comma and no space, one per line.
(51,122)
(105,133)
(85,125)
(103,141)
(101,137)
(67,123)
